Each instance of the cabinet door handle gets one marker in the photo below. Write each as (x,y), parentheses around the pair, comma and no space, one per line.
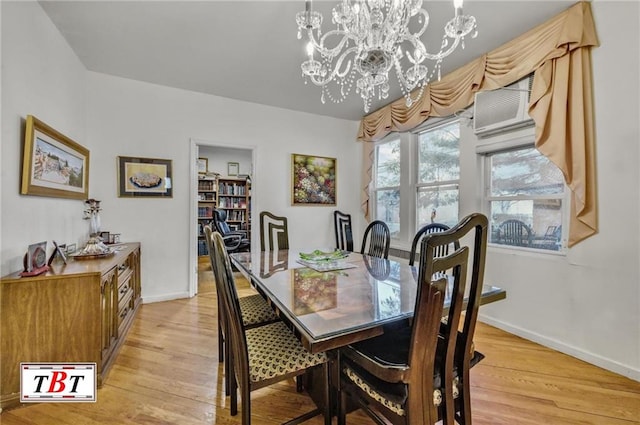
(124,289)
(124,312)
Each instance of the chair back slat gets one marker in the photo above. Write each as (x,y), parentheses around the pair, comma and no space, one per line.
(376,240)
(440,251)
(343,231)
(274,232)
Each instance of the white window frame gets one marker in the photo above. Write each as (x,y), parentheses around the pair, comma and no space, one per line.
(523,142)
(374,189)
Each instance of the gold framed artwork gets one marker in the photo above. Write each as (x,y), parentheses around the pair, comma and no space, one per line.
(53,164)
(203,165)
(313,180)
(144,177)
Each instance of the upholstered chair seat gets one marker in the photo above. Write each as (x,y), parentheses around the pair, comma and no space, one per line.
(391,350)
(274,350)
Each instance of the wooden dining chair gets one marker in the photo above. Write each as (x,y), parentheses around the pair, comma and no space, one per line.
(430,228)
(376,240)
(263,355)
(420,374)
(343,230)
(274,232)
(254,309)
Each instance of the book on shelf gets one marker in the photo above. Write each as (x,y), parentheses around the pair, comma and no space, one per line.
(205,212)
(232,189)
(202,248)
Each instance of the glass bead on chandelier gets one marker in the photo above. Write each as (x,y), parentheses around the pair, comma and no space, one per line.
(370,38)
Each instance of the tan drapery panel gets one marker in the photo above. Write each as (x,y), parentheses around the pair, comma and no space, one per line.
(558,52)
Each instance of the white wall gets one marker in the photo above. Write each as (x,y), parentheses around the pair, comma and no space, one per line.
(131,118)
(587,303)
(219,157)
(41,76)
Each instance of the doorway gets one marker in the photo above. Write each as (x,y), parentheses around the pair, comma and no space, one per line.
(223,161)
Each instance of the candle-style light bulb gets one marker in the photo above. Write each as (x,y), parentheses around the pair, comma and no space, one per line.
(457,4)
(309,49)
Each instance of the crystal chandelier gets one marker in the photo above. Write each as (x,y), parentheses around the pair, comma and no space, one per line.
(371,37)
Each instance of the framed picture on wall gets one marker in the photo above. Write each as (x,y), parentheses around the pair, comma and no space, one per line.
(203,165)
(313,180)
(233,168)
(144,177)
(52,164)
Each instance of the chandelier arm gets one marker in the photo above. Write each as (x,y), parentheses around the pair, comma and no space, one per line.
(320,45)
(335,70)
(425,22)
(433,56)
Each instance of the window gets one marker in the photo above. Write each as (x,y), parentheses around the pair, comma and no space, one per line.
(525,195)
(415,180)
(438,175)
(386,192)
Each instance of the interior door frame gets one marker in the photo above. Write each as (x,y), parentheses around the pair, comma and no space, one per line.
(194,149)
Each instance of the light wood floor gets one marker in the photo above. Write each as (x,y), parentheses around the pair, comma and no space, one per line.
(167,372)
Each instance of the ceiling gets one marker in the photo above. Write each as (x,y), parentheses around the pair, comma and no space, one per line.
(248,50)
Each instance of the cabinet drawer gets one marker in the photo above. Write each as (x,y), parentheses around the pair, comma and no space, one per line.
(125,311)
(125,269)
(124,291)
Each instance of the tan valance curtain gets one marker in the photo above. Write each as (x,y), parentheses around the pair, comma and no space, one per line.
(558,52)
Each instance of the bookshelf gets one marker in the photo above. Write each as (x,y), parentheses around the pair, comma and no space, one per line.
(234,196)
(207,202)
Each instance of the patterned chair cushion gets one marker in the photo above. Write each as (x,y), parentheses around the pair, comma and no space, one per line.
(394,399)
(392,396)
(256,310)
(275,351)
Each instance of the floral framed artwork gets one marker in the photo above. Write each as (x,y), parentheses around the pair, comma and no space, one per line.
(313,180)
(53,164)
(144,177)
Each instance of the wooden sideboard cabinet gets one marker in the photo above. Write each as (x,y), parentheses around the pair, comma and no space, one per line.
(78,312)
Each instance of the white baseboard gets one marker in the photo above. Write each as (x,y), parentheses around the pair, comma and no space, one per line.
(165,297)
(594,359)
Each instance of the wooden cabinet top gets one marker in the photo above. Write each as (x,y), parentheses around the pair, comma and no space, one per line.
(76,267)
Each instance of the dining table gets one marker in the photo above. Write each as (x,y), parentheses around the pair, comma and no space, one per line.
(335,302)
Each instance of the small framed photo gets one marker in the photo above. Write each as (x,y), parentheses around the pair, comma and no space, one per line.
(233,168)
(71,248)
(144,177)
(105,237)
(58,252)
(203,165)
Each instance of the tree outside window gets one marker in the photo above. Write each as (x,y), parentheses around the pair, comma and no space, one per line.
(438,175)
